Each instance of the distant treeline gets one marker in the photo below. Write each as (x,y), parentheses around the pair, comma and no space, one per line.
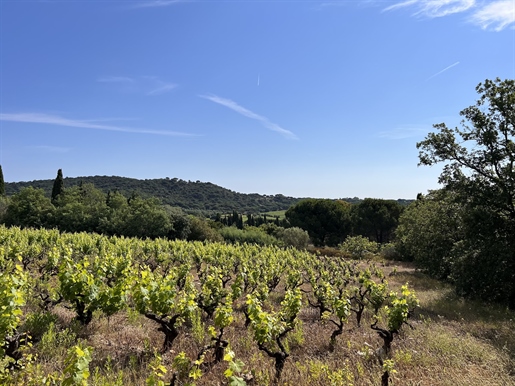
(201,198)
(196,197)
(85,208)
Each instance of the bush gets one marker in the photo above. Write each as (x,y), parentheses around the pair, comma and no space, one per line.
(249,235)
(200,230)
(389,252)
(296,237)
(359,246)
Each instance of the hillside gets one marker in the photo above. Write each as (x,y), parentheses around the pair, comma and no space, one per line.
(189,195)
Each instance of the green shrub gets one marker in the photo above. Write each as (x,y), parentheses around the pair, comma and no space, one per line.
(200,230)
(295,237)
(359,246)
(249,235)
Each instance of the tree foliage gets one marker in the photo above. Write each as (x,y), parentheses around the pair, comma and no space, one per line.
(479,172)
(296,237)
(84,208)
(480,157)
(29,208)
(2,182)
(191,195)
(429,230)
(326,221)
(58,186)
(376,218)
(80,208)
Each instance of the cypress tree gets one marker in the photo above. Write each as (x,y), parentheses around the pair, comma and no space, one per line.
(58,187)
(250,220)
(2,183)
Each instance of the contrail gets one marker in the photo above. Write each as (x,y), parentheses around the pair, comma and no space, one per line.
(60,121)
(445,69)
(258,79)
(250,114)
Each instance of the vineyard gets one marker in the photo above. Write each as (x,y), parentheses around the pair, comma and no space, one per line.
(85,309)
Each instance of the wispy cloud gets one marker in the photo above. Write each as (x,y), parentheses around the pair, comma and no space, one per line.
(498,15)
(149,85)
(60,121)
(162,89)
(157,3)
(441,71)
(403,132)
(50,149)
(158,86)
(249,114)
(435,8)
(401,5)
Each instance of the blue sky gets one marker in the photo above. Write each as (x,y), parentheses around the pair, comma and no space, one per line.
(303,98)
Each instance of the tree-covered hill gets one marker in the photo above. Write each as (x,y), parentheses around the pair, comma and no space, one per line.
(189,195)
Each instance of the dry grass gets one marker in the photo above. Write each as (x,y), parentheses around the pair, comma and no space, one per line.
(453,342)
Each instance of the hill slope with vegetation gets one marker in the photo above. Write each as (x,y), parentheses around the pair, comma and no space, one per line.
(202,196)
(188,195)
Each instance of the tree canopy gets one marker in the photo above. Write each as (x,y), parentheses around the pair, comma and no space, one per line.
(479,177)
(376,218)
(326,221)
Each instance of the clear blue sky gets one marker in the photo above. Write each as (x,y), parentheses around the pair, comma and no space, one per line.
(303,98)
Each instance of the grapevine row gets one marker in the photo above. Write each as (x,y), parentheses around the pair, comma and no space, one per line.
(174,283)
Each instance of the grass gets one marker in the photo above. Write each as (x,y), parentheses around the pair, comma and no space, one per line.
(453,342)
(275,213)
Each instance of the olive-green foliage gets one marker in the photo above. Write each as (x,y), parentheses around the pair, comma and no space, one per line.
(376,218)
(485,262)
(146,218)
(201,230)
(191,195)
(249,235)
(273,230)
(4,203)
(359,246)
(80,208)
(479,170)
(295,237)
(429,229)
(38,323)
(29,208)
(84,208)
(326,221)
(181,224)
(389,251)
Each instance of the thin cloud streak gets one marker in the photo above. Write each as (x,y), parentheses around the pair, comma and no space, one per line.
(435,8)
(249,114)
(149,85)
(445,69)
(162,89)
(400,5)
(499,14)
(60,121)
